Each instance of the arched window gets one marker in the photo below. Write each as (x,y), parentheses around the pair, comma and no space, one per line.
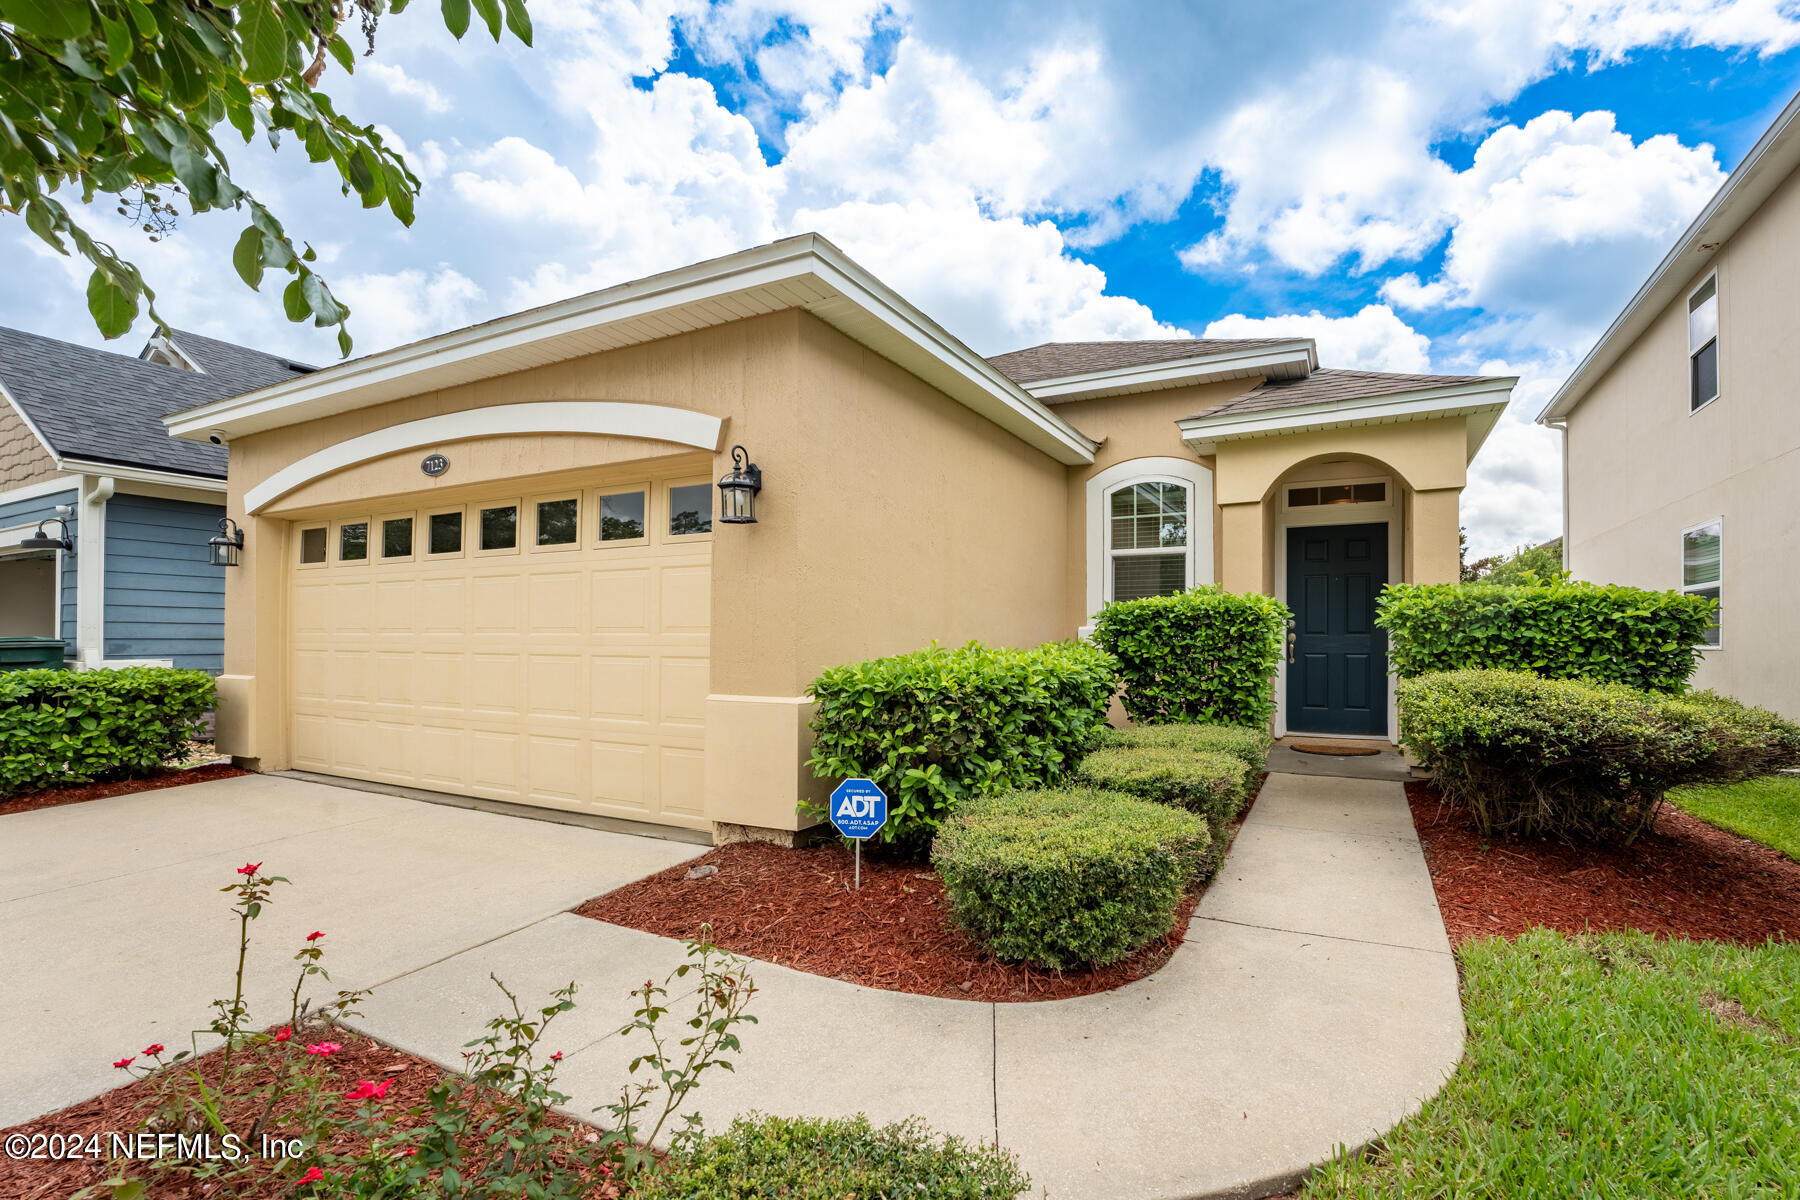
(1147,539)
(1149,529)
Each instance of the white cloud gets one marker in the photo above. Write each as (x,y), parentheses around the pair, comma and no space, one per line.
(403,306)
(394,78)
(1371,340)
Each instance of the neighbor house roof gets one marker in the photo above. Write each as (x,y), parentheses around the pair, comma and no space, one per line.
(1761,171)
(804,272)
(234,366)
(97,406)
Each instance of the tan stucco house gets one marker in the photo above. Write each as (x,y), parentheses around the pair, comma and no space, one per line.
(491,564)
(1681,460)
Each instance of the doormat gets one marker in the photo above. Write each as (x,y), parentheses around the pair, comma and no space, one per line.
(1335,749)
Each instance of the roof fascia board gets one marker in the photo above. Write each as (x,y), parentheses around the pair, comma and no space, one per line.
(1762,170)
(124,473)
(781,262)
(44,487)
(1400,406)
(1200,369)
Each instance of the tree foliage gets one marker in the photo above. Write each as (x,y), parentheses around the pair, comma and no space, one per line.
(1528,566)
(125,99)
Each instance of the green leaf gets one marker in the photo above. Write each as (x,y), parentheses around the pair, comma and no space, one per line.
(399,195)
(118,43)
(325,308)
(456,17)
(247,257)
(518,20)
(57,20)
(197,175)
(265,40)
(340,50)
(293,302)
(344,342)
(490,13)
(113,306)
(41,220)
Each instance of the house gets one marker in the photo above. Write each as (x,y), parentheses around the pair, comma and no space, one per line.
(495,563)
(1681,431)
(82,442)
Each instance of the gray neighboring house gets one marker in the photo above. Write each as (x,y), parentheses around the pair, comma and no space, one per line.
(81,438)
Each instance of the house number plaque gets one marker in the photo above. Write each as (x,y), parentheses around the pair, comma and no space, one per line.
(435,465)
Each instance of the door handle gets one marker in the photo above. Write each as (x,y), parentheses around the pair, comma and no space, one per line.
(1291,637)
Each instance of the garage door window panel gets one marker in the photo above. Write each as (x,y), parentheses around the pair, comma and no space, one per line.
(556,523)
(353,541)
(689,505)
(396,537)
(497,529)
(312,541)
(624,515)
(444,534)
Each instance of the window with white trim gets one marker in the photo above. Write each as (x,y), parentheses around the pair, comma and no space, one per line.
(1700,567)
(1703,344)
(1147,539)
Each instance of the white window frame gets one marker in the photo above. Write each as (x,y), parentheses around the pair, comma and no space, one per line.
(1183,472)
(1688,589)
(1718,341)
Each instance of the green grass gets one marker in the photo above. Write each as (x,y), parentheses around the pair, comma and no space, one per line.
(1596,1066)
(1764,810)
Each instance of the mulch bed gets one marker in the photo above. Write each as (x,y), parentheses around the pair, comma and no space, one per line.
(123,1110)
(76,793)
(1682,878)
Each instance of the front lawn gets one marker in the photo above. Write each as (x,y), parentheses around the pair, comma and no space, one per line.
(1765,810)
(1607,1064)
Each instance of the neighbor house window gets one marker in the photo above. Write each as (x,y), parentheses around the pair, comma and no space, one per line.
(690,509)
(622,516)
(1700,567)
(1147,540)
(1703,344)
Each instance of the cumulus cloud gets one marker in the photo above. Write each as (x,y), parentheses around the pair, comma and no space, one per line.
(404,306)
(1374,339)
(395,79)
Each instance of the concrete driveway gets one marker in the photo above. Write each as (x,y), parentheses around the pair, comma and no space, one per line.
(116,935)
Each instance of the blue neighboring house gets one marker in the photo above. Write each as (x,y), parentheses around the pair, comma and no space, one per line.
(81,439)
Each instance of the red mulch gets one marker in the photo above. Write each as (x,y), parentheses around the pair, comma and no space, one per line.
(123,1110)
(76,793)
(796,908)
(1683,878)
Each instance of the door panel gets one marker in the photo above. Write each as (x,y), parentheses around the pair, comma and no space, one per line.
(572,676)
(1337,679)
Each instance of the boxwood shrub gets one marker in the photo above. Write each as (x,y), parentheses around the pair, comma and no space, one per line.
(1575,759)
(1067,877)
(937,726)
(1249,744)
(810,1158)
(1611,634)
(62,727)
(1208,783)
(1200,655)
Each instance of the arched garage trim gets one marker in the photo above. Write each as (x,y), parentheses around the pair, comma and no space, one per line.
(653,421)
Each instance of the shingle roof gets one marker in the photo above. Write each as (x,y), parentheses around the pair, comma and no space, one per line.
(96,404)
(1326,386)
(1054,360)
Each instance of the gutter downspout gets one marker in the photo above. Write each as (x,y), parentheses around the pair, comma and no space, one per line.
(1561,425)
(90,571)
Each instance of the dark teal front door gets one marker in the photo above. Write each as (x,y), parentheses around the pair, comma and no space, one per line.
(1337,660)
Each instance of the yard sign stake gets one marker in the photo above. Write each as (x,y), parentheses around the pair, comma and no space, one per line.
(858,811)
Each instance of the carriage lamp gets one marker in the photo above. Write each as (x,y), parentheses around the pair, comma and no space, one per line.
(737,491)
(43,541)
(223,547)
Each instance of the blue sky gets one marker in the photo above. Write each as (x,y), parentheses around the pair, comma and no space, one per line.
(1428,186)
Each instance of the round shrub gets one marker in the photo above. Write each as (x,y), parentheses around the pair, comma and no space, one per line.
(1205,782)
(1567,758)
(1067,877)
(1205,654)
(1249,744)
(813,1159)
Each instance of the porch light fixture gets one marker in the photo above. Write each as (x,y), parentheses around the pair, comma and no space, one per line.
(737,491)
(223,547)
(43,541)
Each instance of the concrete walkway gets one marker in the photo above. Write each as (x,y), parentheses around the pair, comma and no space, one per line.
(1313,1004)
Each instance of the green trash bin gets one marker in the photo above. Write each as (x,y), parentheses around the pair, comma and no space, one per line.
(27,653)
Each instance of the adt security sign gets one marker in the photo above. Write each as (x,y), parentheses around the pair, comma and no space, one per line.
(858,811)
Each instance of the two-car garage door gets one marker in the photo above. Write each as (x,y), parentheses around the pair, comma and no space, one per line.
(547,649)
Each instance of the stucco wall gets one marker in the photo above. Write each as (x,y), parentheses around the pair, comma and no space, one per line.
(23,459)
(1642,468)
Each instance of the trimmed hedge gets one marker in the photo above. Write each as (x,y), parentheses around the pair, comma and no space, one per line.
(1200,655)
(812,1158)
(1610,634)
(1249,744)
(1067,877)
(936,727)
(63,727)
(1569,758)
(1208,783)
